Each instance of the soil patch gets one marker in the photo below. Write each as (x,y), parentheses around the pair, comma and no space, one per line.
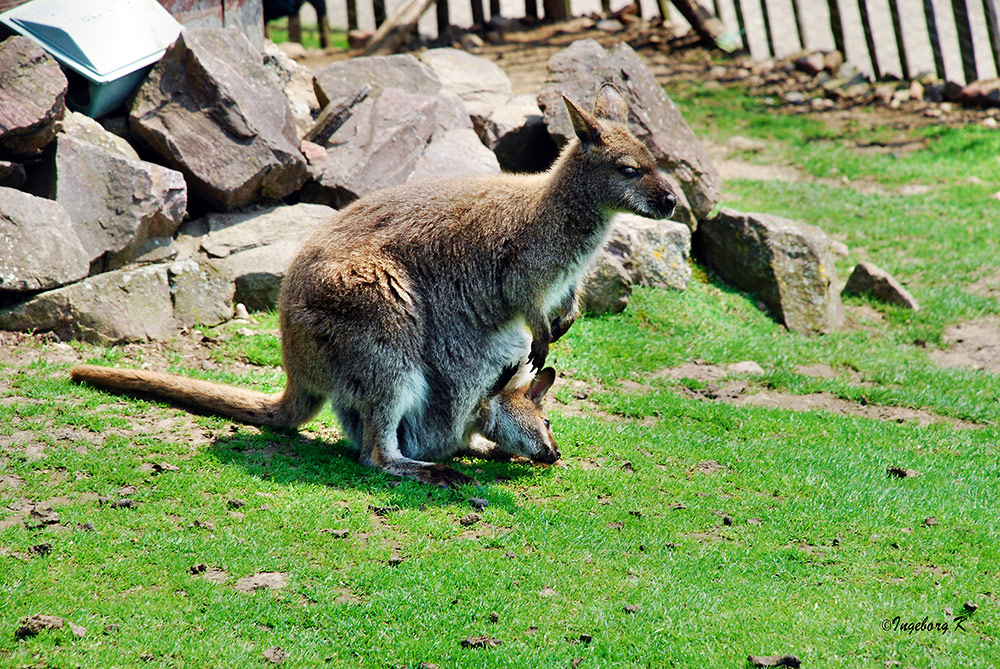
(972,345)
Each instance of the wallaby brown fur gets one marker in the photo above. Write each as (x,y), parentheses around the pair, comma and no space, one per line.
(405,309)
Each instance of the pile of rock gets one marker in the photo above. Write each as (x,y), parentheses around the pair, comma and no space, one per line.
(97,234)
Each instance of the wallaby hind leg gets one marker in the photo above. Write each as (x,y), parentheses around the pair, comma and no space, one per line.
(380,449)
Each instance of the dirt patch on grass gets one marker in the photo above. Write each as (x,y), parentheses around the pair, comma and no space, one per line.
(972,345)
(988,286)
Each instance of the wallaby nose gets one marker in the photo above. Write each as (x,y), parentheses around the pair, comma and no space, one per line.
(668,201)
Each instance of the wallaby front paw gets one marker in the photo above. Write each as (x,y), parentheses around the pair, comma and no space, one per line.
(539,352)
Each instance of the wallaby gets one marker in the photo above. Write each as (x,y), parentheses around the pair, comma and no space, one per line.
(406,307)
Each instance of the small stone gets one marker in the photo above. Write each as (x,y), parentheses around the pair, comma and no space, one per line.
(240,312)
(41,549)
(727,520)
(470,519)
(868,279)
(586,638)
(480,642)
(395,560)
(494,616)
(931,521)
(901,473)
(970,606)
(478,503)
(235,503)
(78,631)
(204,524)
(632,608)
(275,655)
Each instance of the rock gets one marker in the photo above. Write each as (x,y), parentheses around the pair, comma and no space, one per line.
(82,127)
(202,294)
(253,249)
(517,134)
(32,625)
(655,253)
(129,305)
(401,71)
(116,203)
(214,112)
(32,97)
(983,93)
(39,247)
(455,153)
(480,82)
(867,279)
(788,265)
(580,70)
(811,63)
(12,175)
(297,84)
(381,143)
(607,286)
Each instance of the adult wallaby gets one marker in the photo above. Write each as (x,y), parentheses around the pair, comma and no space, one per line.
(405,309)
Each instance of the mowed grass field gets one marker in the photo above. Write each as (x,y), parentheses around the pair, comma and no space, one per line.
(684,529)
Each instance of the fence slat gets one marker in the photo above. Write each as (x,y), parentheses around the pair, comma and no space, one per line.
(767,28)
(738,7)
(799,26)
(897,28)
(837,27)
(935,39)
(965,47)
(993,30)
(866,27)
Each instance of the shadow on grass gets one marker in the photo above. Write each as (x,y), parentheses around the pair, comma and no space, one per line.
(288,458)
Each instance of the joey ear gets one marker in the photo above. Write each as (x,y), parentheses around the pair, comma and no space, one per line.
(610,104)
(541,384)
(584,125)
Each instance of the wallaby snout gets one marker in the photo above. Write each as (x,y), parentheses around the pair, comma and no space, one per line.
(666,204)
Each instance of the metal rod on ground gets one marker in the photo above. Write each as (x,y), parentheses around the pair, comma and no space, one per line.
(993,30)
(394,30)
(706,24)
(932,34)
(767,28)
(742,24)
(837,27)
(964,30)
(897,28)
(866,27)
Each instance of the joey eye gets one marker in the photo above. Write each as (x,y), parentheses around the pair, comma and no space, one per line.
(628,171)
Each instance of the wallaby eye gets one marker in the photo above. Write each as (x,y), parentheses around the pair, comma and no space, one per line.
(628,171)
(546,422)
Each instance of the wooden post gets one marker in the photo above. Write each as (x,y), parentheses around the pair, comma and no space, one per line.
(443,17)
(932,34)
(742,24)
(294,29)
(605,7)
(866,26)
(352,14)
(531,9)
(837,27)
(478,19)
(799,26)
(965,47)
(494,8)
(767,28)
(705,23)
(993,30)
(555,10)
(897,28)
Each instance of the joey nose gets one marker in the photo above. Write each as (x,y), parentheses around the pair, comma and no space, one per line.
(668,201)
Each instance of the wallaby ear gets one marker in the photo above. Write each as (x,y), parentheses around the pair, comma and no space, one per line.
(611,105)
(584,125)
(541,384)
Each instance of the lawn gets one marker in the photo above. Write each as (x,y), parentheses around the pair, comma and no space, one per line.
(684,530)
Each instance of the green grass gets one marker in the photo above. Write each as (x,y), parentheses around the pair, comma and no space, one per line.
(310,35)
(835,547)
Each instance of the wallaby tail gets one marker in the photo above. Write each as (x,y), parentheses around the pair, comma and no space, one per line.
(290,408)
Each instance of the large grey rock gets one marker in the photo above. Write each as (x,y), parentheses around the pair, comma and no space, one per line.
(788,265)
(253,249)
(84,128)
(480,82)
(607,286)
(455,153)
(12,175)
(201,293)
(401,71)
(381,143)
(32,97)
(296,82)
(215,113)
(868,279)
(116,203)
(579,71)
(122,306)
(655,252)
(39,248)
(517,134)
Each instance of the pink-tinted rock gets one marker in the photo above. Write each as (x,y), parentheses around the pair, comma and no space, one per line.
(32,97)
